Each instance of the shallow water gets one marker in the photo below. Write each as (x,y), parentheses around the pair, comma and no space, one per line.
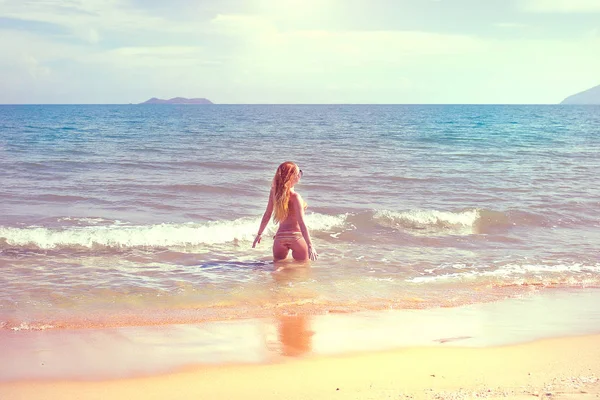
(143,215)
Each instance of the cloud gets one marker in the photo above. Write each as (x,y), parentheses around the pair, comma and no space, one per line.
(383,44)
(237,25)
(152,57)
(107,33)
(335,66)
(84,19)
(34,68)
(17,45)
(123,50)
(561,6)
(509,25)
(268,48)
(43,28)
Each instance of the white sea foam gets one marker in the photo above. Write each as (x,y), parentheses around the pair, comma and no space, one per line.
(513,270)
(24,326)
(160,235)
(322,222)
(461,222)
(90,221)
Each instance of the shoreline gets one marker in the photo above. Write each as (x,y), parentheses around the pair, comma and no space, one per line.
(550,368)
(138,351)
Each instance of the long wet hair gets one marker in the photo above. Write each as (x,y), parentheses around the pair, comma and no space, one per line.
(282,183)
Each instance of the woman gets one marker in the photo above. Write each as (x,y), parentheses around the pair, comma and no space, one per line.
(288,209)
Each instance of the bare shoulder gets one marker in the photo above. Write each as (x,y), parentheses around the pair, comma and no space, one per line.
(296,198)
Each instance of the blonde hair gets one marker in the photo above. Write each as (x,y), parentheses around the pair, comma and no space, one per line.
(282,183)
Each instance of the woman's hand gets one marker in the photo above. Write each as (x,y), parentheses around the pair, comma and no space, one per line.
(256,240)
(312,254)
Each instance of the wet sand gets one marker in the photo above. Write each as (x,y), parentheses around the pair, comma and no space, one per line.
(552,368)
(545,345)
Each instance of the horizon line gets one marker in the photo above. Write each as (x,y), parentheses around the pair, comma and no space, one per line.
(290,104)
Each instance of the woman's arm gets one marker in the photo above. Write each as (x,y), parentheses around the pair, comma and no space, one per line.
(299,211)
(265,219)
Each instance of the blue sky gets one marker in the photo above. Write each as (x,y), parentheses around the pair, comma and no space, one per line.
(298,51)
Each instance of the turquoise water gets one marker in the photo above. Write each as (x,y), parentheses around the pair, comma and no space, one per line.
(140,215)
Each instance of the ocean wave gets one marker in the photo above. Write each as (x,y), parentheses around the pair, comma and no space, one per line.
(577,274)
(422,219)
(96,232)
(85,221)
(119,235)
(464,222)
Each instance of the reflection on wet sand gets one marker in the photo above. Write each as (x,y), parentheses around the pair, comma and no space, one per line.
(294,332)
(295,335)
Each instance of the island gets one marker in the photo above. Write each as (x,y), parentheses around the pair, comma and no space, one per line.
(590,96)
(178,100)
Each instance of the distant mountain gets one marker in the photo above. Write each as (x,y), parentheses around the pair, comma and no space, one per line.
(590,96)
(178,100)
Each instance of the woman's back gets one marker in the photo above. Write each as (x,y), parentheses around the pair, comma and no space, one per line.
(290,223)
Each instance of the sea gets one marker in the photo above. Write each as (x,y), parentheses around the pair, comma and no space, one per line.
(144,215)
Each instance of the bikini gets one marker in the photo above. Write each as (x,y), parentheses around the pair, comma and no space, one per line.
(288,238)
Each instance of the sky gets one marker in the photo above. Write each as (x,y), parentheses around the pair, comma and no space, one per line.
(298,51)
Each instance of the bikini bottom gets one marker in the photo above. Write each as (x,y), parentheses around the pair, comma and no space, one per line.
(288,238)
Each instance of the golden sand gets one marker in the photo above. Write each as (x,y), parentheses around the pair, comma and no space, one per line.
(555,368)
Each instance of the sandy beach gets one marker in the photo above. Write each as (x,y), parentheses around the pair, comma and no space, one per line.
(541,345)
(553,368)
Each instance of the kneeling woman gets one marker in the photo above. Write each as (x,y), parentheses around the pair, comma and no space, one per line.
(287,208)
